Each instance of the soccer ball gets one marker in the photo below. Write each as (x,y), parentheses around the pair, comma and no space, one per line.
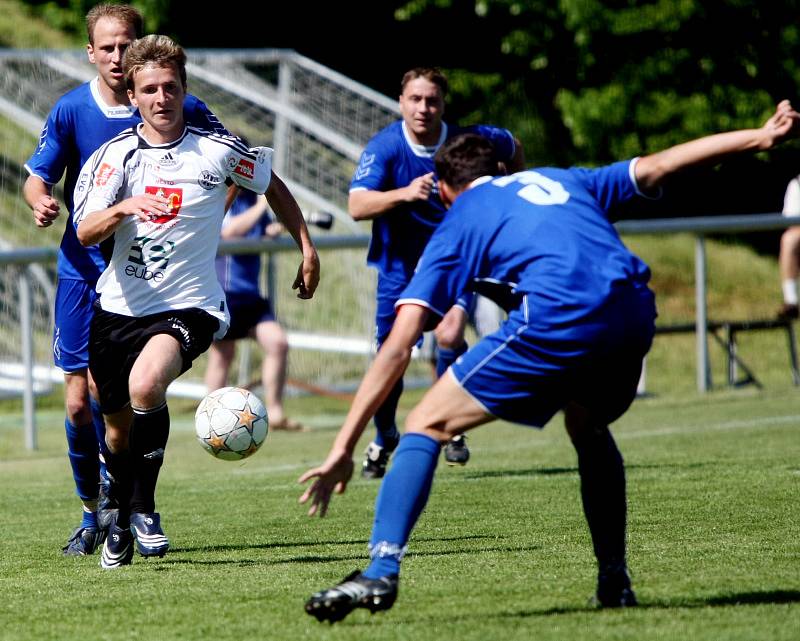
(231,423)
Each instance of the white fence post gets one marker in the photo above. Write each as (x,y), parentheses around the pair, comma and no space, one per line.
(26,334)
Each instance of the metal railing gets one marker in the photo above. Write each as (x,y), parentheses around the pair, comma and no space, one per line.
(700,227)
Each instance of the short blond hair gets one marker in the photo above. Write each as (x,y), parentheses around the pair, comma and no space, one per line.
(125,13)
(156,51)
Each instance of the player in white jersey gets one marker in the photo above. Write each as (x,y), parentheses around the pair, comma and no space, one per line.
(160,189)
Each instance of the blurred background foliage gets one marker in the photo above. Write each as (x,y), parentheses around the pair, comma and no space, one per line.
(578,81)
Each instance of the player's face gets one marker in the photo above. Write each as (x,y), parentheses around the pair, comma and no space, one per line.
(111,38)
(422,107)
(158,94)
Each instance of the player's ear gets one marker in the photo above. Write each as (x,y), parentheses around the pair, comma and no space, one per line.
(447,193)
(90,52)
(132,99)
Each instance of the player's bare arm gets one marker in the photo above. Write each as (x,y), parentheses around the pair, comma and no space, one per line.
(99,225)
(388,366)
(653,169)
(38,195)
(366,204)
(287,210)
(240,225)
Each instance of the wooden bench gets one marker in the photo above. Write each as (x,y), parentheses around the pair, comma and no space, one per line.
(727,340)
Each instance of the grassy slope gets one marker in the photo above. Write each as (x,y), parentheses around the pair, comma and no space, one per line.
(20,30)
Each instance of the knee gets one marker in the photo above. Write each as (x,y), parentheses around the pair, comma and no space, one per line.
(146,391)
(274,341)
(449,335)
(78,409)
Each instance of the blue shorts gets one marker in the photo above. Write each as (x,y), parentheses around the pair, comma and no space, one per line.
(247,311)
(388,293)
(73,316)
(526,376)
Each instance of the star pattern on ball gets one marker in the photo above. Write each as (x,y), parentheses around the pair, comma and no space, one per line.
(212,403)
(246,417)
(216,443)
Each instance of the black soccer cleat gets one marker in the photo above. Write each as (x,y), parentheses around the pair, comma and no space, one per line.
(84,541)
(118,548)
(355,591)
(456,451)
(614,588)
(150,538)
(107,506)
(788,312)
(375,460)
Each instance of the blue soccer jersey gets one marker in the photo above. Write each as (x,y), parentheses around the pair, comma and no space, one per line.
(390,161)
(581,316)
(239,273)
(537,242)
(77,125)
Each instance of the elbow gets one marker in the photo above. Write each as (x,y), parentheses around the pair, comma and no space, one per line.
(84,238)
(357,208)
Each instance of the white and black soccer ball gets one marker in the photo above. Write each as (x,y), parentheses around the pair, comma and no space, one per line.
(231,423)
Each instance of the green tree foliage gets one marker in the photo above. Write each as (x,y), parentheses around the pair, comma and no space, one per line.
(69,15)
(627,76)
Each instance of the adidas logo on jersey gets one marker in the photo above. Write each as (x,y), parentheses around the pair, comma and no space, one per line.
(167,160)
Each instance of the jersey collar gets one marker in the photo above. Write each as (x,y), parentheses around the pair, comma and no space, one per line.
(145,144)
(421,150)
(117,111)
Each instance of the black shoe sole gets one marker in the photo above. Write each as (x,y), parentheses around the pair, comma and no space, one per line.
(334,611)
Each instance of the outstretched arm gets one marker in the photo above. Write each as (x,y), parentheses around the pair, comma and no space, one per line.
(284,205)
(653,169)
(386,369)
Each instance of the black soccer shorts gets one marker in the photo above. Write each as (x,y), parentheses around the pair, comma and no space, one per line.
(115,342)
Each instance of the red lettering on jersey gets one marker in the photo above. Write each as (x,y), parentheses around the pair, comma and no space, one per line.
(245,168)
(104,174)
(175,197)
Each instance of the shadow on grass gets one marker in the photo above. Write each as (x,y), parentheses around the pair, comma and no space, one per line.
(175,553)
(294,544)
(767,597)
(557,471)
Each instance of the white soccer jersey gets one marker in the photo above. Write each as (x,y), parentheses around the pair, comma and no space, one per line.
(168,262)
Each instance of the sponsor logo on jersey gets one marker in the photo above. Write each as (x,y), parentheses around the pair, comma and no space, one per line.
(263,154)
(245,168)
(168,160)
(104,174)
(232,160)
(175,197)
(365,165)
(207,180)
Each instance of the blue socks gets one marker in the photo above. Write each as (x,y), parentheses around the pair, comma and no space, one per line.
(89,519)
(83,451)
(447,357)
(403,495)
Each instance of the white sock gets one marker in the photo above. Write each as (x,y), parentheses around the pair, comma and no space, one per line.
(789,291)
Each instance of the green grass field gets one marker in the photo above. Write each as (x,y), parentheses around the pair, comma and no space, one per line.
(502,551)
